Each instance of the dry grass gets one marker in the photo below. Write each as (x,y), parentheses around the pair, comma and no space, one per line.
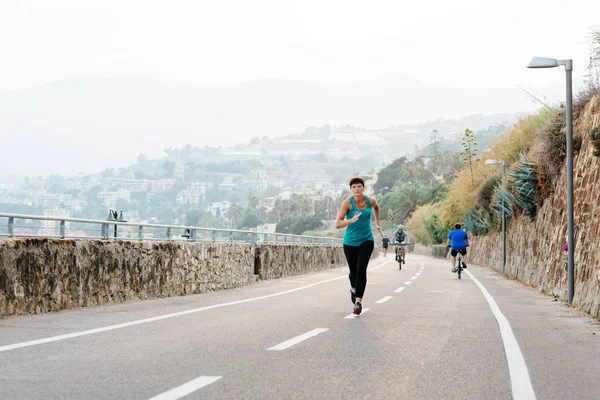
(551,145)
(463,192)
(416,224)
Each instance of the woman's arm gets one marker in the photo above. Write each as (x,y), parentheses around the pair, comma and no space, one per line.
(340,222)
(375,206)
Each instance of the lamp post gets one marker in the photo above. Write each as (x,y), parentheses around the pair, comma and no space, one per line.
(501,162)
(543,62)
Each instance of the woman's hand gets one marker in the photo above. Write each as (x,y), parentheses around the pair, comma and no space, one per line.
(355,218)
(380,231)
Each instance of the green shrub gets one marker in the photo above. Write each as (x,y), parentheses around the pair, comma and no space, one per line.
(595,140)
(552,145)
(439,251)
(485,191)
(577,143)
(523,179)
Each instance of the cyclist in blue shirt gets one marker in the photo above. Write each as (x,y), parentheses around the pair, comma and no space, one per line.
(399,238)
(458,240)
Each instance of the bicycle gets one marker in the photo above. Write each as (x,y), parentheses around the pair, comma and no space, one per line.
(459,267)
(399,255)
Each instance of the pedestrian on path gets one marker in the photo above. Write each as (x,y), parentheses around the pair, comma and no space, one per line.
(355,215)
(385,243)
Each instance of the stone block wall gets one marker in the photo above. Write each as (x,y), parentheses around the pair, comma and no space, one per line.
(279,260)
(43,275)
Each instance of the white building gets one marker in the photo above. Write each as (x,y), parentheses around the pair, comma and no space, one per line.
(110,198)
(191,196)
(53,227)
(51,200)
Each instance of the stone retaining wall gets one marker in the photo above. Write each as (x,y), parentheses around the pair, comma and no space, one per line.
(42,275)
(279,260)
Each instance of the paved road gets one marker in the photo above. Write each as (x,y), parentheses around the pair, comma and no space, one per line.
(426,335)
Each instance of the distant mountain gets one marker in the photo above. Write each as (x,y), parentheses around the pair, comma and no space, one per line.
(88,124)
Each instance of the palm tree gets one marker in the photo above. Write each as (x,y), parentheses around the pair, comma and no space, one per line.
(404,201)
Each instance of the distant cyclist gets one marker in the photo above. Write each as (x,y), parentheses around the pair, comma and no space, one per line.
(399,239)
(458,240)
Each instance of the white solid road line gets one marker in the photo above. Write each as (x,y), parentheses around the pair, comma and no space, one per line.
(297,339)
(401,288)
(166,316)
(187,388)
(352,316)
(519,375)
(383,300)
(407,283)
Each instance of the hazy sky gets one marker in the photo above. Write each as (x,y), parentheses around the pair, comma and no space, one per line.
(463,43)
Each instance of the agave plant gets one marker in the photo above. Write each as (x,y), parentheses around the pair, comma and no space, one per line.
(476,221)
(503,200)
(524,179)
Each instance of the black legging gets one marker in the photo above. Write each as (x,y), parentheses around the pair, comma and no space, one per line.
(358,259)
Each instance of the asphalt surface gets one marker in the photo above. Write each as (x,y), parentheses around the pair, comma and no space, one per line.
(294,338)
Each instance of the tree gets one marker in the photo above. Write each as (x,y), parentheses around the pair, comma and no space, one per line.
(435,142)
(193,217)
(388,176)
(169,167)
(403,202)
(250,221)
(469,151)
(108,173)
(123,204)
(235,214)
(445,166)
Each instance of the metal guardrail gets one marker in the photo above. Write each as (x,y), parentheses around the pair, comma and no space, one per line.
(22,225)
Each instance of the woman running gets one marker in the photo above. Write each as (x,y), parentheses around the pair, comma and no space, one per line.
(355,214)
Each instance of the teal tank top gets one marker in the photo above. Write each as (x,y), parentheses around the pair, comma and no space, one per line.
(360,231)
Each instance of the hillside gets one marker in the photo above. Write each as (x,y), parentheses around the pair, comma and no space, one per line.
(86,125)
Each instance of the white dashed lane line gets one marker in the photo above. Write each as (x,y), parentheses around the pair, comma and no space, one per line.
(401,288)
(187,388)
(383,300)
(407,283)
(297,339)
(352,316)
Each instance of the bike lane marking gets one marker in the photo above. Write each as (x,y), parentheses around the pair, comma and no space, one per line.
(519,375)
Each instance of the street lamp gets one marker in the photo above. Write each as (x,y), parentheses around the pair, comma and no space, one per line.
(543,62)
(501,162)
